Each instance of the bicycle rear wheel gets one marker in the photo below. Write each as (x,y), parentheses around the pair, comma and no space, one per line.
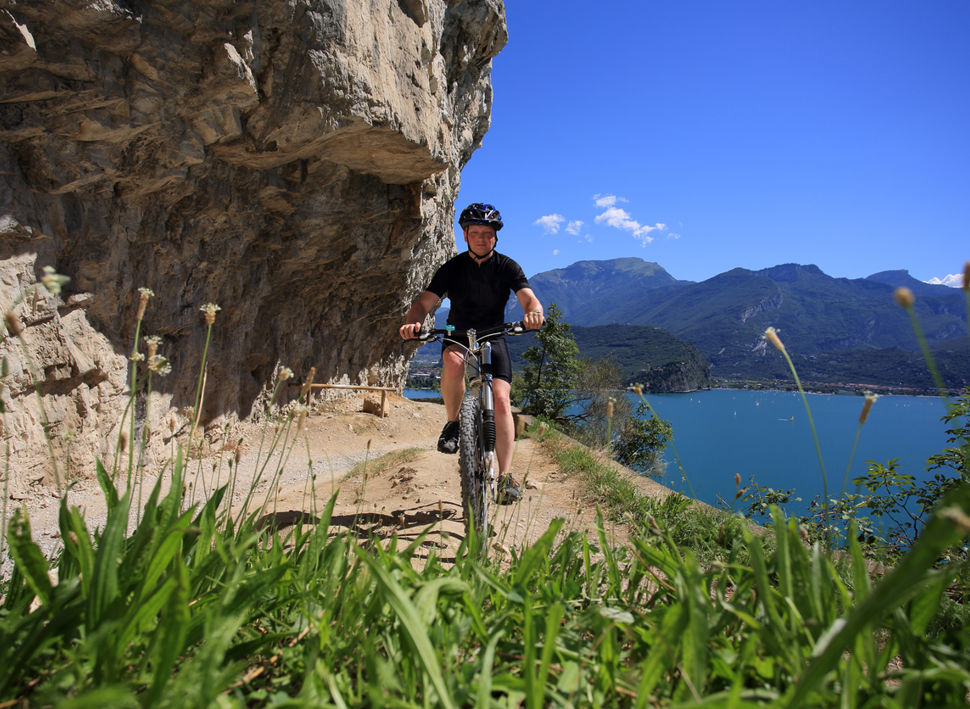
(473,487)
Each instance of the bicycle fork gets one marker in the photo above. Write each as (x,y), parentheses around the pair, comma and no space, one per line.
(488,418)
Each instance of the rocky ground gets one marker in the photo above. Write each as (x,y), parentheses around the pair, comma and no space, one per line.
(388,476)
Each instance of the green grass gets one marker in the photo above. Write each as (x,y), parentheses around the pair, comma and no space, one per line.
(384,462)
(188,611)
(710,533)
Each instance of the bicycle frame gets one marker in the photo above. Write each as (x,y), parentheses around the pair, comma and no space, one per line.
(477,459)
(478,379)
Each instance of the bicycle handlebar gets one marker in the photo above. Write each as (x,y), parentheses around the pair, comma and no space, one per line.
(435,334)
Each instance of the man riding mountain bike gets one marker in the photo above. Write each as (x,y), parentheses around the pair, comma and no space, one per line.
(478,283)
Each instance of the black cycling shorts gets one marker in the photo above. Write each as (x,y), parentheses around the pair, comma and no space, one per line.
(501,362)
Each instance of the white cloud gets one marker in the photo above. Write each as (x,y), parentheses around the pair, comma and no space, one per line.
(550,223)
(555,252)
(606,200)
(954,280)
(611,215)
(619,218)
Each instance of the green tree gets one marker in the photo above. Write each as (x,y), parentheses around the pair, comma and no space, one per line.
(552,368)
(600,402)
(641,439)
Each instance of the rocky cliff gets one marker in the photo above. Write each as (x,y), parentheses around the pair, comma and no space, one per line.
(294,161)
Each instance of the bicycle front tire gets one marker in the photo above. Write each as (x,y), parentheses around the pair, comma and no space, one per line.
(469,465)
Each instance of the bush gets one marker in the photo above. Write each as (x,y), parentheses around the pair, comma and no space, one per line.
(642,439)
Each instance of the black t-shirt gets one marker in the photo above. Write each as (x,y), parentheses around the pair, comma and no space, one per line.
(478,293)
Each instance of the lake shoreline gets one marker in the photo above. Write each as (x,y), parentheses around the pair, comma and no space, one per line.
(788,385)
(842,390)
(827,388)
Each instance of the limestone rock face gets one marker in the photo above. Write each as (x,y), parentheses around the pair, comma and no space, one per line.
(294,161)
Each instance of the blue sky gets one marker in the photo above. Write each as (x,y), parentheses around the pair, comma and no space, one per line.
(710,135)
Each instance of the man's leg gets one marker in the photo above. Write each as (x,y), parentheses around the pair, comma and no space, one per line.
(504,426)
(452,381)
(452,391)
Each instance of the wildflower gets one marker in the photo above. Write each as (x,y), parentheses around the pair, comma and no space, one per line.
(737,479)
(609,408)
(966,276)
(638,389)
(13,323)
(210,310)
(159,365)
(52,280)
(137,357)
(870,400)
(152,344)
(285,373)
(904,297)
(772,336)
(143,295)
(300,412)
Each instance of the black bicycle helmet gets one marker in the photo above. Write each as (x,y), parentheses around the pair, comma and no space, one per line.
(479,213)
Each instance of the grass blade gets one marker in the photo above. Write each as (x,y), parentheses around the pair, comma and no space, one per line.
(945,528)
(536,554)
(485,676)
(29,558)
(408,614)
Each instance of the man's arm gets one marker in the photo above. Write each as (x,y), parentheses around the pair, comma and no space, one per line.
(418,312)
(532,308)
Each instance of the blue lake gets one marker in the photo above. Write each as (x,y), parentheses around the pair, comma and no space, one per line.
(766,435)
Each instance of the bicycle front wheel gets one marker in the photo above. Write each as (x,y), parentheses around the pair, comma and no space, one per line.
(473,492)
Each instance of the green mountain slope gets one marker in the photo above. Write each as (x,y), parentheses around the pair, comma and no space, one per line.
(583,289)
(836,323)
(645,355)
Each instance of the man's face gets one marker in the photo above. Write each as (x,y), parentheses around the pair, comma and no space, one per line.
(480,238)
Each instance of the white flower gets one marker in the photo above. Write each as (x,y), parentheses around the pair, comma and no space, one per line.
(52,280)
(159,365)
(210,310)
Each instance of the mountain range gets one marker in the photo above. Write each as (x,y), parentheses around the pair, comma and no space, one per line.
(838,330)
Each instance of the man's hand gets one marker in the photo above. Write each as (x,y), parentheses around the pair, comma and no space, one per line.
(410,331)
(533,320)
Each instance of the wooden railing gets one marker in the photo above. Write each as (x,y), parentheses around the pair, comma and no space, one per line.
(307,387)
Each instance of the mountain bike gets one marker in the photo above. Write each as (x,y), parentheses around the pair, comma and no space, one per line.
(476,420)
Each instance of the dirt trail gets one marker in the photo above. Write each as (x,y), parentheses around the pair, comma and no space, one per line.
(421,488)
(340,449)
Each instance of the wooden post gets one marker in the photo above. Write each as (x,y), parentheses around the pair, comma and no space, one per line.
(308,386)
